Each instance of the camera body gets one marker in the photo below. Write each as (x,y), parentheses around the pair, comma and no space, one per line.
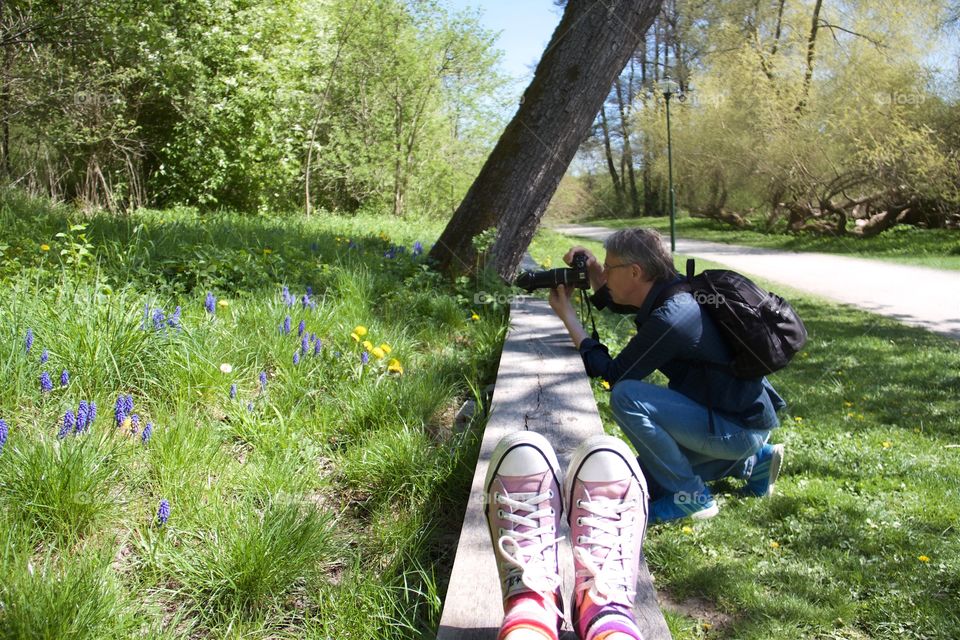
(574,276)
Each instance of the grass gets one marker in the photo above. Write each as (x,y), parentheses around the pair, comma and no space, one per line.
(323,503)
(861,540)
(935,248)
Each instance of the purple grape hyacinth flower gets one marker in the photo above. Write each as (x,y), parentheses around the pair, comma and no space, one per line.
(250,407)
(316,347)
(158,319)
(91,413)
(296,357)
(304,345)
(263,380)
(286,325)
(417,248)
(69,422)
(163,513)
(46,385)
(134,424)
(301,328)
(364,357)
(44,357)
(83,413)
(287,298)
(233,391)
(3,434)
(210,304)
(174,320)
(147,432)
(120,410)
(64,378)
(28,340)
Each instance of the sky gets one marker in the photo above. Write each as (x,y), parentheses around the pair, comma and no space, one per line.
(525,28)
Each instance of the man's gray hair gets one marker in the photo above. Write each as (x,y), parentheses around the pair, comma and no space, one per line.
(643,247)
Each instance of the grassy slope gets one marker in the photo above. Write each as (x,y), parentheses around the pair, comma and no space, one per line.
(935,248)
(861,541)
(324,505)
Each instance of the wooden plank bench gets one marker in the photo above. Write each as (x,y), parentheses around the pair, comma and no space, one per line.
(541,386)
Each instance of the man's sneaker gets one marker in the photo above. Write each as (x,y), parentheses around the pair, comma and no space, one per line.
(677,506)
(606,498)
(523,512)
(765,471)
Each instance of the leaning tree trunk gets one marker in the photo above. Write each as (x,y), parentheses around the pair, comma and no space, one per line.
(587,51)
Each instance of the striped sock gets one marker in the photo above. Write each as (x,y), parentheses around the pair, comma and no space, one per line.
(528,611)
(596,622)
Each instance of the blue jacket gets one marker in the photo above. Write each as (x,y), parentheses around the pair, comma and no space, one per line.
(674,338)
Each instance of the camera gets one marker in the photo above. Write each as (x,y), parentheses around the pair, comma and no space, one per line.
(574,276)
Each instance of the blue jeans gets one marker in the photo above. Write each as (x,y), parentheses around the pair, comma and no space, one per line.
(672,437)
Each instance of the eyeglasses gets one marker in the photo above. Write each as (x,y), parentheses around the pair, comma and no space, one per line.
(611,267)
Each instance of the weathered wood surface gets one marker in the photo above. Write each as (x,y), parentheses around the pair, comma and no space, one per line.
(541,386)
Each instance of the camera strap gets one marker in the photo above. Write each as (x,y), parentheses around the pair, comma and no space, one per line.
(588,313)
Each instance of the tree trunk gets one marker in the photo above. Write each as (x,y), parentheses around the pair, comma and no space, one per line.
(614,176)
(811,46)
(628,153)
(587,51)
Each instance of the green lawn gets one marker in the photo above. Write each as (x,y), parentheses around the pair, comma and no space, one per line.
(935,248)
(325,502)
(319,501)
(862,539)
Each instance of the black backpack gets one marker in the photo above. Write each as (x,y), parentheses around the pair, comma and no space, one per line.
(760,328)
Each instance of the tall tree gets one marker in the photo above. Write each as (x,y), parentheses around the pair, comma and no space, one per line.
(586,52)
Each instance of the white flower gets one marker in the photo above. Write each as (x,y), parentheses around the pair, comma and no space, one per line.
(226,367)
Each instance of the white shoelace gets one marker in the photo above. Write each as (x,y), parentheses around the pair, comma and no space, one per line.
(608,577)
(526,553)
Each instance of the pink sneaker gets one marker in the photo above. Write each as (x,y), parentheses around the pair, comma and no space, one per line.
(606,497)
(523,512)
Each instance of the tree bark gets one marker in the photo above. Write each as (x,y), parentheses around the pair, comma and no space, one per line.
(628,153)
(587,51)
(614,176)
(811,46)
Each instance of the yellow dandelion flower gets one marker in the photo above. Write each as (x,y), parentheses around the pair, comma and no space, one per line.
(394,366)
(850,414)
(848,404)
(860,416)
(386,348)
(474,317)
(355,337)
(267,251)
(887,444)
(223,304)
(360,330)
(378,353)
(687,530)
(605,385)
(774,544)
(44,247)
(368,345)
(923,559)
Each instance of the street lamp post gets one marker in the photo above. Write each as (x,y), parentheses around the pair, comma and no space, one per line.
(669,89)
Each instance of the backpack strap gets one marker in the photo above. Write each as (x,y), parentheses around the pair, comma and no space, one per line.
(687,285)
